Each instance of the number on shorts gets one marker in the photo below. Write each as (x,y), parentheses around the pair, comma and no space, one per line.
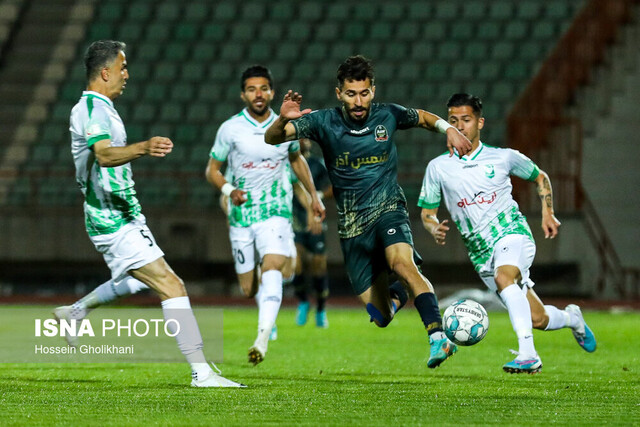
(146,236)
(237,254)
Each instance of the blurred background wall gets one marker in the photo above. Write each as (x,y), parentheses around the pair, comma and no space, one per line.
(559,80)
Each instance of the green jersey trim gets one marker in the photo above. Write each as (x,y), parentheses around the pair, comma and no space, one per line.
(253,124)
(213,156)
(534,174)
(478,153)
(425,205)
(97,138)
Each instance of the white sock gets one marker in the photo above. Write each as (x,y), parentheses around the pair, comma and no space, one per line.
(520,315)
(270,300)
(573,321)
(438,335)
(258,295)
(558,319)
(105,293)
(189,338)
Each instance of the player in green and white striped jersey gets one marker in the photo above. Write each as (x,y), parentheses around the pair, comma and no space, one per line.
(260,195)
(477,192)
(113,215)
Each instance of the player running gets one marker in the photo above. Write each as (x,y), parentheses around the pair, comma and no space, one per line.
(113,216)
(260,194)
(360,154)
(477,192)
(310,245)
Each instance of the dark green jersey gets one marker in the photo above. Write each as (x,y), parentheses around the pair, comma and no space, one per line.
(362,161)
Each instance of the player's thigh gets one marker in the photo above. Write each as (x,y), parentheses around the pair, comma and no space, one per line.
(318,264)
(129,248)
(512,259)
(273,236)
(364,260)
(243,249)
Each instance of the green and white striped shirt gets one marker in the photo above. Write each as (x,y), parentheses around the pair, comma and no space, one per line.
(477,193)
(260,169)
(110,196)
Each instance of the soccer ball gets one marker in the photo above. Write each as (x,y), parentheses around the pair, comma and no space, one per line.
(465,322)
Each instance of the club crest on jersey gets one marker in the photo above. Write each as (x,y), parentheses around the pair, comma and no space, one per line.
(489,171)
(381,133)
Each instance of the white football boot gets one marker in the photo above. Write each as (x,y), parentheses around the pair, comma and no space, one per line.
(214,379)
(65,312)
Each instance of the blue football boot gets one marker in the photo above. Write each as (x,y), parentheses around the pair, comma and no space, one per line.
(441,350)
(582,333)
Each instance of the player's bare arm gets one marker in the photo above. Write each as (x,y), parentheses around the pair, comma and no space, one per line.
(550,223)
(436,228)
(303,196)
(281,130)
(301,169)
(455,140)
(215,178)
(109,156)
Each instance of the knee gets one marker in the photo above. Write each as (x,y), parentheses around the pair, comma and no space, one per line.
(503,280)
(402,267)
(377,317)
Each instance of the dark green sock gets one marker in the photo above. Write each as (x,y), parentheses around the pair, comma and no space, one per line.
(427,305)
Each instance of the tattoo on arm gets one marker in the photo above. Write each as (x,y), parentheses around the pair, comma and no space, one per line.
(544,192)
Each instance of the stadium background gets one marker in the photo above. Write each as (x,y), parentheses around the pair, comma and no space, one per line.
(559,80)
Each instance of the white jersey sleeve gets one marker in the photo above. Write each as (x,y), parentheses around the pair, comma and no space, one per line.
(521,166)
(431,192)
(98,127)
(222,144)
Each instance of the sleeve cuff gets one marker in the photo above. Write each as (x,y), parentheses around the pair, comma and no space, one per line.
(425,205)
(97,138)
(218,158)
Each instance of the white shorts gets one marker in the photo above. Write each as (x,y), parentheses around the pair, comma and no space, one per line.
(271,236)
(513,249)
(129,248)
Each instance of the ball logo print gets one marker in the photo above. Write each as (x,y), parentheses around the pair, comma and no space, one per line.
(465,322)
(391,231)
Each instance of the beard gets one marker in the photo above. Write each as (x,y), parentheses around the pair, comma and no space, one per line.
(362,118)
(259,111)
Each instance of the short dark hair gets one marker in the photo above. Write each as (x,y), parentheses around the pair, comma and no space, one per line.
(461,99)
(355,68)
(256,71)
(99,54)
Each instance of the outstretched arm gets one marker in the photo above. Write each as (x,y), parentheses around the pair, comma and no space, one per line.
(455,139)
(281,130)
(550,223)
(109,156)
(301,169)
(437,229)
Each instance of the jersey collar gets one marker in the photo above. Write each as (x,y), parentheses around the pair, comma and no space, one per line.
(245,113)
(474,153)
(97,95)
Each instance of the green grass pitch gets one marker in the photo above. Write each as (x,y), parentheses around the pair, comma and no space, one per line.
(350,374)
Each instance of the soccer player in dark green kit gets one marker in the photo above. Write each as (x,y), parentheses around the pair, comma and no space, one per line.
(359,152)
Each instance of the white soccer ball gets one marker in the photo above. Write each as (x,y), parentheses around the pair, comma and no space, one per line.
(465,322)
